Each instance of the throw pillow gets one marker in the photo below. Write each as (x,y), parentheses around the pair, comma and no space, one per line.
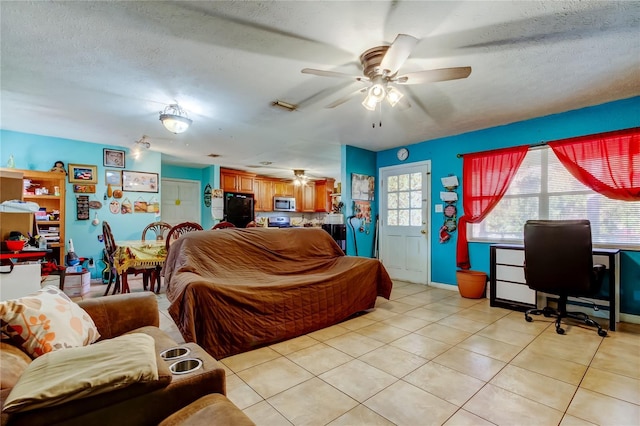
(46,321)
(66,375)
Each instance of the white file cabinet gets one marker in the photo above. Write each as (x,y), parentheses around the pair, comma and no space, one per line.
(508,288)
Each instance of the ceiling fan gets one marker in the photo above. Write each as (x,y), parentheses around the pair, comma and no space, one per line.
(380,66)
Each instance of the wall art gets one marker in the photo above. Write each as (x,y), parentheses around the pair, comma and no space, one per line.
(82,173)
(113,177)
(362,187)
(139,181)
(113,158)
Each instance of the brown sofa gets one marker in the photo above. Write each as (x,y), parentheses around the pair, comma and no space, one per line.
(137,404)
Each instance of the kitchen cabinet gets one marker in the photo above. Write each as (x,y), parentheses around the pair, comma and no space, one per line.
(263,194)
(306,197)
(284,188)
(54,203)
(324,189)
(236,181)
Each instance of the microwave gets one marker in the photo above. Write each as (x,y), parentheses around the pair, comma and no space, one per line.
(284,204)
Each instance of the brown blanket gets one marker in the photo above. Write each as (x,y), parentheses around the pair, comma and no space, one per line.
(233,290)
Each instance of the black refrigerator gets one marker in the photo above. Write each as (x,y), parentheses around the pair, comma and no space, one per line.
(238,208)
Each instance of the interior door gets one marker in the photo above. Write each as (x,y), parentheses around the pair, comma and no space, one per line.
(404,221)
(180,201)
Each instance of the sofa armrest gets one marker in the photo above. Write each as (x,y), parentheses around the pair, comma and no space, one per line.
(118,314)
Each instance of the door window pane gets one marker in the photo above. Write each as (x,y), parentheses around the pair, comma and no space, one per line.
(392,200)
(416,181)
(404,200)
(403,217)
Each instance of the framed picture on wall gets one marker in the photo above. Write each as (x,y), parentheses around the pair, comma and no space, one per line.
(362,187)
(139,181)
(82,173)
(113,158)
(113,177)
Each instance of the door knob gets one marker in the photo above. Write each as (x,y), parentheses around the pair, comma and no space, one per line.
(423,231)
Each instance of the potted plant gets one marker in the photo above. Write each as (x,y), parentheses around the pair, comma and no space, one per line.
(471,284)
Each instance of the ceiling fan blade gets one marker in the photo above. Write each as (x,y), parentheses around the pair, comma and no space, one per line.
(398,52)
(346,98)
(431,76)
(334,74)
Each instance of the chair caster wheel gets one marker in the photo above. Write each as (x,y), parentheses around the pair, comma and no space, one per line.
(560,330)
(602,333)
(529,319)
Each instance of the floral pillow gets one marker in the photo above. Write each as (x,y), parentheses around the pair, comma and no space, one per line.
(46,321)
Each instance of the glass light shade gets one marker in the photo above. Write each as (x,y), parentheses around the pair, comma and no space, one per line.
(393,96)
(175,119)
(369,103)
(377,92)
(175,123)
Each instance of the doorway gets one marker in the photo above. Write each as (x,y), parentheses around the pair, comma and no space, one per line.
(405,239)
(180,201)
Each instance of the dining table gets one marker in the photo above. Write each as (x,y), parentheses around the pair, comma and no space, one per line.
(139,254)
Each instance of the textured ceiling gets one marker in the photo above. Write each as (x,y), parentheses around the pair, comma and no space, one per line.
(102,71)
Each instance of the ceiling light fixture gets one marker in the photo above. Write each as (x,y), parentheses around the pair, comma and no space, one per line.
(140,146)
(300,178)
(175,119)
(379,91)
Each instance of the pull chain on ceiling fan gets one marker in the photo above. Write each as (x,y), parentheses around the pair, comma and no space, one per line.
(380,67)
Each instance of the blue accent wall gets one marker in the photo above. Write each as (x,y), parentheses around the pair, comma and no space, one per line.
(360,161)
(442,153)
(206,175)
(35,152)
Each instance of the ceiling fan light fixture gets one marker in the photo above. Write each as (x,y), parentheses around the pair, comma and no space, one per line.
(377,92)
(370,103)
(393,96)
(300,178)
(175,119)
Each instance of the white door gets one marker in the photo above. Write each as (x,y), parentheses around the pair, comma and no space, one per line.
(404,221)
(180,201)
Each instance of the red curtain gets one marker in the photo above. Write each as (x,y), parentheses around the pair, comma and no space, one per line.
(485,179)
(608,163)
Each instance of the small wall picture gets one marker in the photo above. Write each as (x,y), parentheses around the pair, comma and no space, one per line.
(362,187)
(113,158)
(85,189)
(82,173)
(113,177)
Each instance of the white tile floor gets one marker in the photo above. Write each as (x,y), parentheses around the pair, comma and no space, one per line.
(430,357)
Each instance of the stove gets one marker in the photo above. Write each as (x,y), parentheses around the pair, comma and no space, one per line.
(279,222)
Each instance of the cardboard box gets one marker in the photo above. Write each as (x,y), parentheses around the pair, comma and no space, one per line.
(22,222)
(77,284)
(11,185)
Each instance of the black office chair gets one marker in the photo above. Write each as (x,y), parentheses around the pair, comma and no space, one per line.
(559,260)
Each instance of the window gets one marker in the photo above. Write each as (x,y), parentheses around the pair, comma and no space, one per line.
(404,200)
(543,189)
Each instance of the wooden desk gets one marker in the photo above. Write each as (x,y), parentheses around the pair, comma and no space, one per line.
(137,254)
(508,288)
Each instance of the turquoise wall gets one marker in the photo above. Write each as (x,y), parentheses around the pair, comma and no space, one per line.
(206,175)
(442,153)
(360,161)
(35,152)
